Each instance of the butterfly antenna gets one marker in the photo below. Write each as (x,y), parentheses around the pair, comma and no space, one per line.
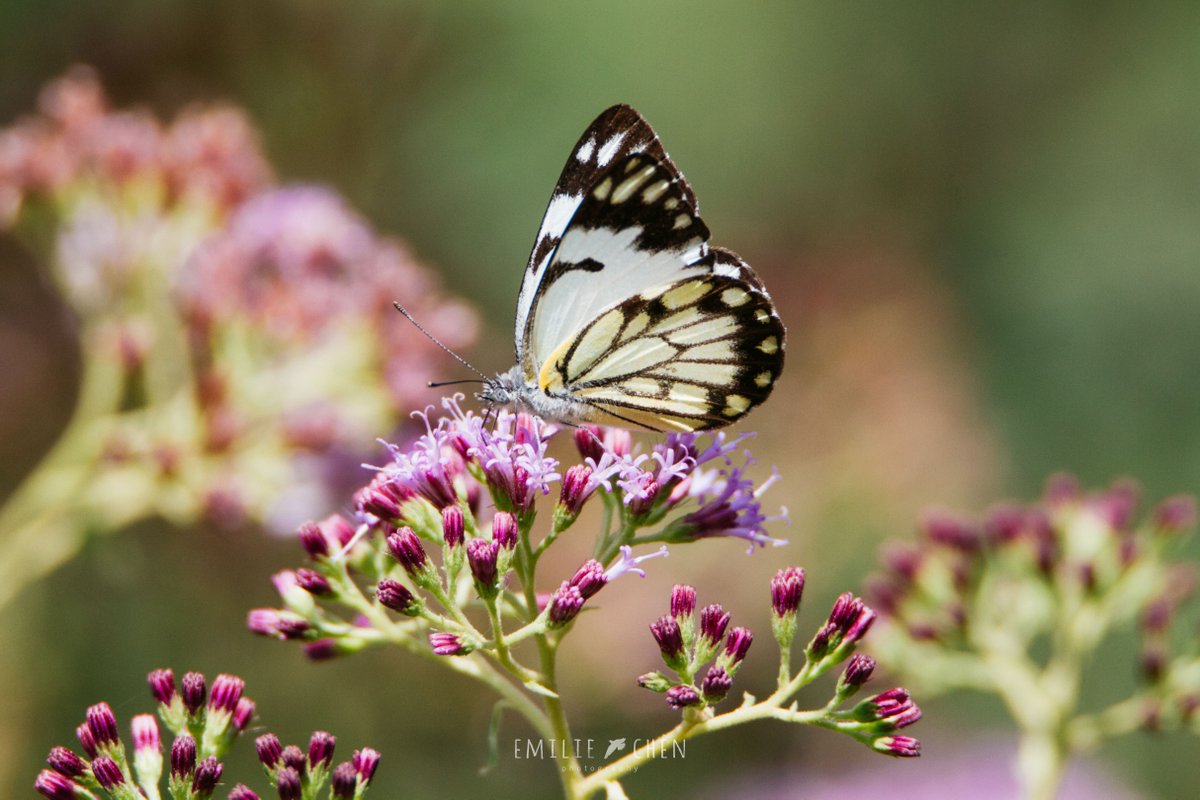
(435,340)
(436,384)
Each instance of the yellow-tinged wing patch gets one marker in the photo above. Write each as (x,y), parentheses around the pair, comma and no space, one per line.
(694,354)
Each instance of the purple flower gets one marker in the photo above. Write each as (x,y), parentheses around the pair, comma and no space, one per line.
(948,530)
(893,709)
(629,563)
(729,507)
(102,724)
(86,740)
(243,713)
(428,468)
(577,487)
(242,792)
(294,758)
(848,622)
(1175,514)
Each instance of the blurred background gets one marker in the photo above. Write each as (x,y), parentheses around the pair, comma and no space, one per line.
(981,226)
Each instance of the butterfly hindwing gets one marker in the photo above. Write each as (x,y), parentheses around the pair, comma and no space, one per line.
(695,354)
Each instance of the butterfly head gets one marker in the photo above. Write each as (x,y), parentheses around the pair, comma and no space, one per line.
(506,390)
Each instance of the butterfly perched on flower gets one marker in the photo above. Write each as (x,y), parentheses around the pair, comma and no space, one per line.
(627,316)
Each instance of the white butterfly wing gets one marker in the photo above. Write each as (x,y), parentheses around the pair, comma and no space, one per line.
(618,132)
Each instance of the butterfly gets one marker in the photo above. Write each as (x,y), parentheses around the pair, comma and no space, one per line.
(626,315)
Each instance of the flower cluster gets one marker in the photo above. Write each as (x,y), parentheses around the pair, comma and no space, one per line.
(975,600)
(230,328)
(687,642)
(424,544)
(204,721)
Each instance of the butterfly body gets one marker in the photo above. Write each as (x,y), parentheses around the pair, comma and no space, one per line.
(626,315)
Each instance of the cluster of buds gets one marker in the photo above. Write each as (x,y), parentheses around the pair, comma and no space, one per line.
(1069,570)
(239,338)
(421,546)
(687,645)
(296,773)
(204,721)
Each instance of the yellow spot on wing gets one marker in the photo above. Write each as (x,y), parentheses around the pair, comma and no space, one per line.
(630,185)
(598,338)
(685,294)
(636,325)
(601,191)
(550,377)
(735,405)
(735,297)
(762,378)
(769,345)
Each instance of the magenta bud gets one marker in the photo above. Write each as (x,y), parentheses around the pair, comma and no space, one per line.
(898,746)
(452,526)
(107,772)
(269,749)
(713,622)
(482,557)
(313,541)
(590,578)
(345,781)
(293,758)
(575,489)
(366,761)
(737,645)
(716,684)
(669,637)
(183,756)
(313,582)
(406,548)
(320,749)
(1175,514)
(682,696)
(683,601)
(208,773)
(66,762)
(395,595)
(858,671)
(447,644)
(193,691)
(787,588)
(162,685)
(86,740)
(145,733)
(55,786)
(242,792)
(243,714)
(565,604)
(504,529)
(287,784)
(943,528)
(226,691)
(102,724)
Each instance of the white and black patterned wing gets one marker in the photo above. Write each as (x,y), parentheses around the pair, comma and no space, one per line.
(695,354)
(615,134)
(634,229)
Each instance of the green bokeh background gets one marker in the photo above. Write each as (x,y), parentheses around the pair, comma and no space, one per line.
(1038,162)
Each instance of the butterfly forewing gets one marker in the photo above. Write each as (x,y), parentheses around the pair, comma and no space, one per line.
(633,230)
(615,134)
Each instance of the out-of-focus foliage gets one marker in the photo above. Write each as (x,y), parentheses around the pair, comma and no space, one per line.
(978,223)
